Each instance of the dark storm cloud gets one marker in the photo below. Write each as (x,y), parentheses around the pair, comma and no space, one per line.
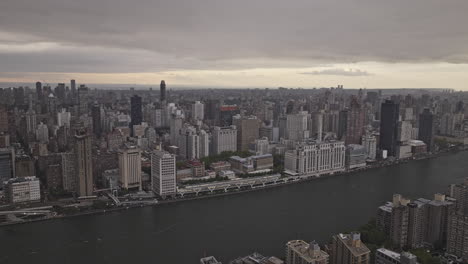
(339,72)
(106,35)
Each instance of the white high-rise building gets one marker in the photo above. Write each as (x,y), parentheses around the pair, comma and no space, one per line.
(63,118)
(130,167)
(224,139)
(42,133)
(370,144)
(204,144)
(316,158)
(198,110)
(296,126)
(163,173)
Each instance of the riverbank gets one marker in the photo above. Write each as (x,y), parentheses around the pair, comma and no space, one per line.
(232,192)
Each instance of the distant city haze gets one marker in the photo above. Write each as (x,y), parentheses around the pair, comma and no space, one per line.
(212,43)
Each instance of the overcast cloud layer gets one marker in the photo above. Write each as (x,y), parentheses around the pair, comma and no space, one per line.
(117,36)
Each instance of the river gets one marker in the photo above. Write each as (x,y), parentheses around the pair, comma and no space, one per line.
(229,226)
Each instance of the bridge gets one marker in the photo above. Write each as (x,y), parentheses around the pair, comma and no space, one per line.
(237,184)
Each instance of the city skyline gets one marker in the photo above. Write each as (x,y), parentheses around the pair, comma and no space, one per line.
(237,44)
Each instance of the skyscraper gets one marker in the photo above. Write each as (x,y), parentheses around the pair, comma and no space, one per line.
(39,91)
(162,90)
(96,115)
(135,111)
(355,123)
(198,111)
(130,167)
(163,173)
(389,126)
(7,161)
(247,131)
(84,161)
(426,128)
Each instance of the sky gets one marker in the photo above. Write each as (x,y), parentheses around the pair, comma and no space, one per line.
(241,43)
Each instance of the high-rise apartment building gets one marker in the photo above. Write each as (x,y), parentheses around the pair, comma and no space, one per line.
(297,126)
(83,155)
(301,252)
(96,115)
(130,167)
(24,189)
(354,122)
(349,249)
(163,173)
(389,127)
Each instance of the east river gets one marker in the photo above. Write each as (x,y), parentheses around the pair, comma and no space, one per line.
(229,226)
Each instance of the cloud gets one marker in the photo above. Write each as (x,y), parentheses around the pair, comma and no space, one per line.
(144,35)
(340,72)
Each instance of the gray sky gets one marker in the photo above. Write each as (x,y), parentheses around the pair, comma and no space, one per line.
(358,43)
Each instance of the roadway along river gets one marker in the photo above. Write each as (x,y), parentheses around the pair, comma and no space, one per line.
(229,226)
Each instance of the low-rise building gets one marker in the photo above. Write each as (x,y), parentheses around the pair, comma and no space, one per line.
(385,256)
(301,252)
(219,166)
(24,189)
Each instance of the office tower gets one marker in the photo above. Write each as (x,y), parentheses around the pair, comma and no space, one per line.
(130,167)
(247,131)
(370,143)
(73,86)
(342,123)
(69,171)
(135,111)
(39,91)
(63,118)
(4,126)
(301,252)
(96,115)
(354,122)
(31,122)
(51,106)
(175,125)
(42,133)
(426,128)
(25,189)
(198,111)
(297,127)
(316,126)
(349,249)
(315,158)
(60,92)
(224,139)
(389,127)
(83,156)
(226,113)
(405,130)
(162,90)
(385,256)
(163,173)
(7,168)
(83,97)
(24,166)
